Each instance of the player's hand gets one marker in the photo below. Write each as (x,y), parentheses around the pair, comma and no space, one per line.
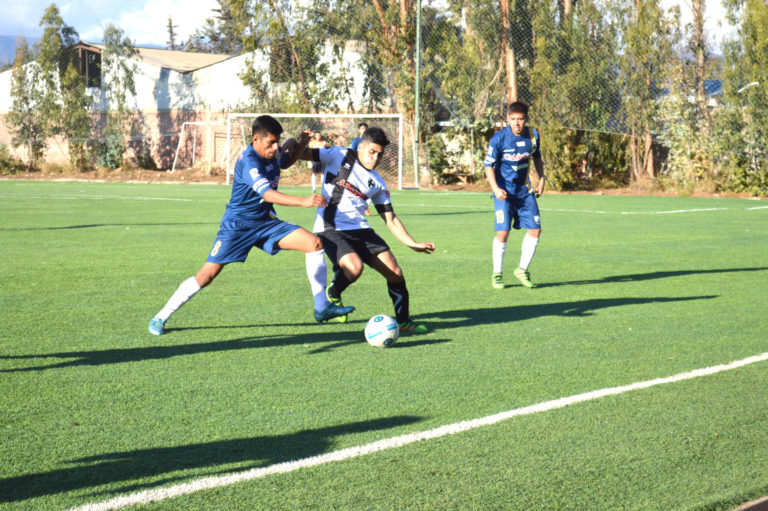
(500,193)
(427,247)
(305,137)
(539,188)
(315,201)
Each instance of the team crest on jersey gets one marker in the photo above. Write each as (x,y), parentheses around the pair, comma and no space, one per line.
(371,183)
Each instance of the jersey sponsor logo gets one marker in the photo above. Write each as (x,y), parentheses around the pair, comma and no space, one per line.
(517,157)
(351,188)
(520,143)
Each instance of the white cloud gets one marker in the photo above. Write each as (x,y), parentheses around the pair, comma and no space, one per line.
(149,24)
(716,27)
(143,21)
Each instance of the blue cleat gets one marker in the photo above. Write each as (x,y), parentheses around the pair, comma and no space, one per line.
(156,326)
(332,311)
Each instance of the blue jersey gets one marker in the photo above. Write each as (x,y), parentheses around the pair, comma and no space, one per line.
(254,176)
(509,155)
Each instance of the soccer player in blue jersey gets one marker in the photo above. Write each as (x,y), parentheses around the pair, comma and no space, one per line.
(350,179)
(360,130)
(507,166)
(250,221)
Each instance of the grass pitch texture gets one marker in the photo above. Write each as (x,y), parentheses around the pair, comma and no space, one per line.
(629,289)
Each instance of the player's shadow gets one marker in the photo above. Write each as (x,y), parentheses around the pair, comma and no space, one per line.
(325,341)
(170,462)
(514,313)
(640,277)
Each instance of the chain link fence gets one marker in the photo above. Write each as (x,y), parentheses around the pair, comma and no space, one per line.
(620,91)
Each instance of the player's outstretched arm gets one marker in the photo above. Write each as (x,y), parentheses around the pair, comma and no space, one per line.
(310,201)
(397,228)
(294,150)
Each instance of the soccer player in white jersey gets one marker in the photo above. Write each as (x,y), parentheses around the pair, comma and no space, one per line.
(250,221)
(350,179)
(507,165)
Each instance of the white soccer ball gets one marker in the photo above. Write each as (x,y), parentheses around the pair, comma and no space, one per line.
(381,331)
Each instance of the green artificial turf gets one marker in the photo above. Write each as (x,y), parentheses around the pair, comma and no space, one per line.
(629,289)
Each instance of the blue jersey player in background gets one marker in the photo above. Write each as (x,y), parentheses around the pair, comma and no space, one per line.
(250,221)
(507,166)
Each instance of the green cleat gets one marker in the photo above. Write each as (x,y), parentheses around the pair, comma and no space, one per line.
(496,281)
(409,327)
(524,277)
(332,311)
(337,302)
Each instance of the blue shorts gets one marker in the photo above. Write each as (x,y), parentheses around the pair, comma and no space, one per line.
(235,239)
(518,212)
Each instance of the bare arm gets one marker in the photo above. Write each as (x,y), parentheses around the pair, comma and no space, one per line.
(310,201)
(397,228)
(500,193)
(297,149)
(538,164)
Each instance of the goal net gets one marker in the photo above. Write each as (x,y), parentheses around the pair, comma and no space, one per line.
(197,145)
(335,129)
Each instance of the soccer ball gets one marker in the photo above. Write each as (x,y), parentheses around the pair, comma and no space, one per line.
(381,331)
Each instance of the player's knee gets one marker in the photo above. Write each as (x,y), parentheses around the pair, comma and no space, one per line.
(352,270)
(316,244)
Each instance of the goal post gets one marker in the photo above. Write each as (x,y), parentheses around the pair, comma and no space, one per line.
(337,129)
(183,145)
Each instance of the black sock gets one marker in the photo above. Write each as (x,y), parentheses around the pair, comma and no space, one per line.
(339,284)
(399,294)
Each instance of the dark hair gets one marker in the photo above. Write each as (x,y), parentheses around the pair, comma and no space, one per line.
(375,135)
(361,125)
(518,107)
(266,124)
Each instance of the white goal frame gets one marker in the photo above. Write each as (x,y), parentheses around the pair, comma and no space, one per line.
(194,140)
(399,117)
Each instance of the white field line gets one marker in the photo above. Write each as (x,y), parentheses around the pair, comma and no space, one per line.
(97,197)
(594,211)
(147,496)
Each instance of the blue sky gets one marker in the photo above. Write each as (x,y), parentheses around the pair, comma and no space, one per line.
(145,21)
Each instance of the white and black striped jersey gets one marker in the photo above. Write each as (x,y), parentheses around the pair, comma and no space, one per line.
(347,185)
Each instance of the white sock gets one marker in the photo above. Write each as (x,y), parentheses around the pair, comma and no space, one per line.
(529,248)
(314,182)
(318,277)
(499,249)
(186,290)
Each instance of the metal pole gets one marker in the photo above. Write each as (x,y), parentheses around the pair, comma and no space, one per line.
(418,87)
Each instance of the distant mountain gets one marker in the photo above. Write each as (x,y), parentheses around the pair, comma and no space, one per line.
(8,47)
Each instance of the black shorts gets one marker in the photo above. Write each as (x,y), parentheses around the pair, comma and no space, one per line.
(363,242)
(317,167)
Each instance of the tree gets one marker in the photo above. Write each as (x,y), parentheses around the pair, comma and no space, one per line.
(171,44)
(646,56)
(76,124)
(224,32)
(741,127)
(25,118)
(54,56)
(575,85)
(118,83)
